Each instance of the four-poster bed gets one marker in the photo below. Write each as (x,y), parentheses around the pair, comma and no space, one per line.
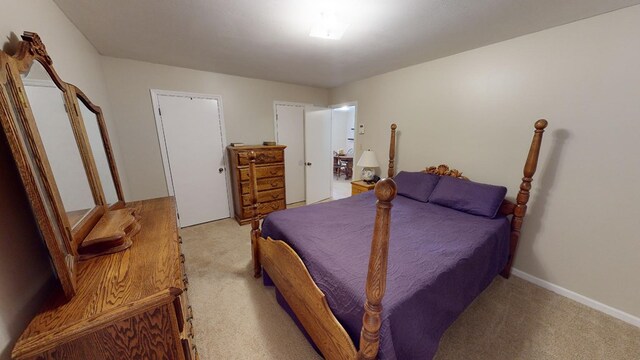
(309,273)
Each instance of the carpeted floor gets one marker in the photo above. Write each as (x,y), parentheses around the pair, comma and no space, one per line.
(236,317)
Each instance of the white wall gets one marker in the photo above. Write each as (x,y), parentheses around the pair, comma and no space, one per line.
(24,266)
(476,110)
(247,104)
(339,130)
(341,123)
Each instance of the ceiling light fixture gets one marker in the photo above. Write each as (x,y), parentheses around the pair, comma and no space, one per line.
(328,26)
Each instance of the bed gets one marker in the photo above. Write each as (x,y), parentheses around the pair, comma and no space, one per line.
(431,261)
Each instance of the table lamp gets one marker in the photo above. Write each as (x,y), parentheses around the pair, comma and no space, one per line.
(368,162)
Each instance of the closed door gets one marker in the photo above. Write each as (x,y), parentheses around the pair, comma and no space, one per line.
(290,132)
(190,129)
(317,126)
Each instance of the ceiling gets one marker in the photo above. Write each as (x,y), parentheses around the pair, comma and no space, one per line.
(269,39)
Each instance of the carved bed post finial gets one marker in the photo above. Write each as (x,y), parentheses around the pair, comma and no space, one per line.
(255,216)
(392,151)
(377,276)
(520,209)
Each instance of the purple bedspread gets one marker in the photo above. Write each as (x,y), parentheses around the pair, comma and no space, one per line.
(439,261)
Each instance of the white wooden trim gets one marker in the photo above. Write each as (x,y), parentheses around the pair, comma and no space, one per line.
(616,313)
(348,103)
(162,142)
(355,137)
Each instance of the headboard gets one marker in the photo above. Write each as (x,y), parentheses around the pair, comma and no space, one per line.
(518,209)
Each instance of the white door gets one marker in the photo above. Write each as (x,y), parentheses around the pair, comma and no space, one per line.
(290,132)
(317,139)
(192,135)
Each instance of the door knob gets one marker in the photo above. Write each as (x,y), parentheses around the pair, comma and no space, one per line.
(220,170)
(308,164)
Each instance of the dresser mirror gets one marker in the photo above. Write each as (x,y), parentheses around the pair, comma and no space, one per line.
(61,148)
(98,136)
(56,131)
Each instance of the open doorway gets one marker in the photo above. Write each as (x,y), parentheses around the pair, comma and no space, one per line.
(316,136)
(343,121)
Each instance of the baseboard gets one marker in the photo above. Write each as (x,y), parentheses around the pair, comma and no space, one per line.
(616,313)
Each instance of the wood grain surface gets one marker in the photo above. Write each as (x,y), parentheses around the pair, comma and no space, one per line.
(269,170)
(377,274)
(122,340)
(114,286)
(307,301)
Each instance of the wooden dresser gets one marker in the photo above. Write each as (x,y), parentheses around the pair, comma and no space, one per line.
(129,305)
(270,177)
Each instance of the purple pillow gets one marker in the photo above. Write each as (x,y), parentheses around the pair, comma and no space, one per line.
(416,185)
(468,196)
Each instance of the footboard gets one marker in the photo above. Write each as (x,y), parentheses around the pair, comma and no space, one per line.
(307,301)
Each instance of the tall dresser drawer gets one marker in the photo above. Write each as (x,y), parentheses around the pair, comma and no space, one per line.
(264,196)
(263,172)
(263,184)
(270,179)
(264,208)
(262,157)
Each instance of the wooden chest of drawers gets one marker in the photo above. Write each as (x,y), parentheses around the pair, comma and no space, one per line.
(129,305)
(270,179)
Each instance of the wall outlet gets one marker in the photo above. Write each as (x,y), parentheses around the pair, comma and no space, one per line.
(361,129)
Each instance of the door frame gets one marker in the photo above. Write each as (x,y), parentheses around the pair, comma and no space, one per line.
(162,143)
(355,134)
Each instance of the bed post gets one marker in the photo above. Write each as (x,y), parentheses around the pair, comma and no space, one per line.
(523,195)
(377,276)
(255,219)
(392,151)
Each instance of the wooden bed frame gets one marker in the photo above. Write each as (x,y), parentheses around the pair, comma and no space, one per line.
(308,302)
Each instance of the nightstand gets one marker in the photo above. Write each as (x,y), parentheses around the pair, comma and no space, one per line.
(360,186)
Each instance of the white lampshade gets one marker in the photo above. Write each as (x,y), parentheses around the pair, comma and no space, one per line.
(368,160)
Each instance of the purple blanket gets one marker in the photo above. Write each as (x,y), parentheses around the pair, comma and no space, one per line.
(439,261)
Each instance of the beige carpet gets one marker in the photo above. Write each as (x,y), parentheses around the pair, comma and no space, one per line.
(236,317)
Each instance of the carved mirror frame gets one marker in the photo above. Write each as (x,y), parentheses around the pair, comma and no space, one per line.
(18,122)
(106,142)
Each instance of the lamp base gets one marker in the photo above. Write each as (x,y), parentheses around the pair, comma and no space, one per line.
(367,174)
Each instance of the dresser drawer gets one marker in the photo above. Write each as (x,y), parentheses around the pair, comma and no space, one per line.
(263,172)
(190,350)
(264,208)
(264,196)
(263,184)
(184,312)
(262,157)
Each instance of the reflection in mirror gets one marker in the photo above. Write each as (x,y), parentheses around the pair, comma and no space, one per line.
(54,126)
(99,153)
(53,234)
